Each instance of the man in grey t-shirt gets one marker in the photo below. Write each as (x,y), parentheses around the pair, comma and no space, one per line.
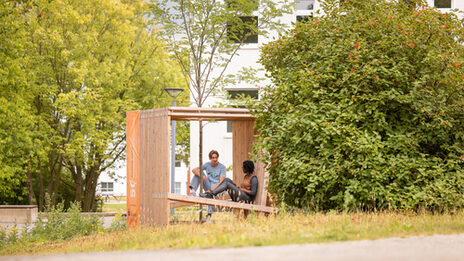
(215,174)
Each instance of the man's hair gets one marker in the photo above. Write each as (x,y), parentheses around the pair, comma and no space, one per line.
(213,152)
(248,166)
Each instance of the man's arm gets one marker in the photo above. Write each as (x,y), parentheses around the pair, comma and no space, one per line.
(196,171)
(220,180)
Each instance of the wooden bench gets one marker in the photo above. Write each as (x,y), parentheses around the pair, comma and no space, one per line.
(221,203)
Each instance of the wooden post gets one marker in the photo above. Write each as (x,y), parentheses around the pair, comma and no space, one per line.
(154,168)
(133,161)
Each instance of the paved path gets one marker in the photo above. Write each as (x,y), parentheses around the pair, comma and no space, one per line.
(439,247)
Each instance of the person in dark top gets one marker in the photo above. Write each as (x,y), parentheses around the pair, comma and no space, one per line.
(246,192)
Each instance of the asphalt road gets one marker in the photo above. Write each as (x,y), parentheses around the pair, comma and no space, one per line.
(438,247)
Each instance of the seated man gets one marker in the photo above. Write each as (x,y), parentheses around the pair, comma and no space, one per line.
(215,173)
(246,192)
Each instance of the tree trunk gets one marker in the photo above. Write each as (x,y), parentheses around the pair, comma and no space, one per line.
(41,187)
(90,187)
(30,191)
(51,167)
(78,183)
(57,180)
(200,154)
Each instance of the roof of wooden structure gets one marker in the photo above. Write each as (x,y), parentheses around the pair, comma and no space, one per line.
(195,114)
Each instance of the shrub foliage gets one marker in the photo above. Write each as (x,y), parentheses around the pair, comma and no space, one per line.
(366,109)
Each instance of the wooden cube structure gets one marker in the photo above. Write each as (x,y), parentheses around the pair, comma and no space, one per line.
(148,158)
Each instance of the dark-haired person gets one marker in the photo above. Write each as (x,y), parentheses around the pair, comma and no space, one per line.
(215,174)
(246,192)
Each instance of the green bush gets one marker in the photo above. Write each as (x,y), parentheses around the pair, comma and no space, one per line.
(58,225)
(366,109)
(62,225)
(118,224)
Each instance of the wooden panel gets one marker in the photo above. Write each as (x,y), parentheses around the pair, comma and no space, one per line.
(133,171)
(217,202)
(263,177)
(154,169)
(242,140)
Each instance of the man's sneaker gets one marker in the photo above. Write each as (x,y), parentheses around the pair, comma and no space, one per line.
(208,219)
(193,193)
(206,195)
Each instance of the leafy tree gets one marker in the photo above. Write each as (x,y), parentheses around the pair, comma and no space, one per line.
(15,187)
(366,109)
(87,63)
(210,33)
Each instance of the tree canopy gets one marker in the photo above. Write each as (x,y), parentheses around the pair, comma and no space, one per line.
(74,69)
(366,108)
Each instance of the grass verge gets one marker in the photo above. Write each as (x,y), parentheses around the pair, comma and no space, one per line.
(284,228)
(118,207)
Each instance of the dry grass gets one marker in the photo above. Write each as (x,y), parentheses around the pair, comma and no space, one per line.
(284,228)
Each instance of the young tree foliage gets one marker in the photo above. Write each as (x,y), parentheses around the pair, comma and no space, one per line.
(366,109)
(206,35)
(14,106)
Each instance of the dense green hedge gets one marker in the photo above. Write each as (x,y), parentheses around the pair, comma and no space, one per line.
(366,109)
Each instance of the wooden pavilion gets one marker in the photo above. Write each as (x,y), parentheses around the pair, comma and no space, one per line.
(148,161)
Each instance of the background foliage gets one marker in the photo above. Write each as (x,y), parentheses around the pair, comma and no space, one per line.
(70,71)
(366,109)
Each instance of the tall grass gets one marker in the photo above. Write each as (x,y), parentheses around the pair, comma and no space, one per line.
(57,227)
(284,228)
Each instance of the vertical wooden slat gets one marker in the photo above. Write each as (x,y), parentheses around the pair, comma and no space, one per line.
(262,175)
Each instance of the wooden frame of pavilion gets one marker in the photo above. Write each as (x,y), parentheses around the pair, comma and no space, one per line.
(148,162)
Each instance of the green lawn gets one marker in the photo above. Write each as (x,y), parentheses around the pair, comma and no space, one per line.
(228,231)
(119,207)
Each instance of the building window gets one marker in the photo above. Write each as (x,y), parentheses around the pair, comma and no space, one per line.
(245,31)
(305,4)
(107,187)
(303,18)
(235,94)
(177,163)
(443,3)
(177,187)
(245,7)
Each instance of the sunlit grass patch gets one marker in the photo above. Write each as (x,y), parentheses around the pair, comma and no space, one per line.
(256,230)
(119,207)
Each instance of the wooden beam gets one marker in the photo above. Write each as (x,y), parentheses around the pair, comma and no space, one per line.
(188,113)
(213,110)
(176,204)
(209,116)
(222,203)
